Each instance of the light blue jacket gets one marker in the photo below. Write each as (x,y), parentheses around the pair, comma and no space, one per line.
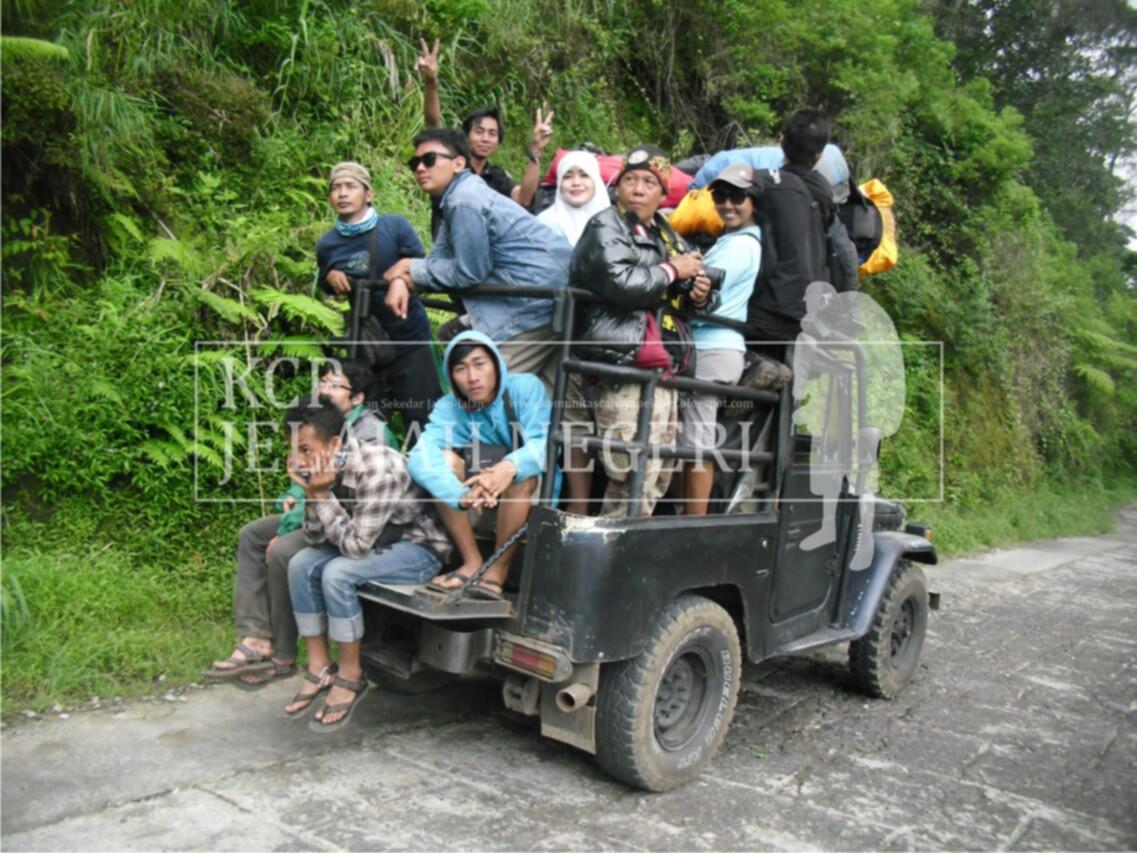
(487,238)
(739,254)
(453,423)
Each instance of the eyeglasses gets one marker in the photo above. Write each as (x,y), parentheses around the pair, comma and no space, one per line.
(722,194)
(328,382)
(428,159)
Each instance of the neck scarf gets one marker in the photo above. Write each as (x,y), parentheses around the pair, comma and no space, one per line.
(572,220)
(350,229)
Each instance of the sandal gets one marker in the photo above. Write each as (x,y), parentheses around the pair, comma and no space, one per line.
(309,698)
(359,688)
(486,590)
(252,661)
(440,584)
(264,676)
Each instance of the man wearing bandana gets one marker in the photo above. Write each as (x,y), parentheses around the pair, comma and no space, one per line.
(631,257)
(361,246)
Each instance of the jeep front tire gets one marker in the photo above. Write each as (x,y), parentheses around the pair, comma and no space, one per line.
(885,659)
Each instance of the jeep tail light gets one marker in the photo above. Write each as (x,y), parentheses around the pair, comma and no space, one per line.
(547,663)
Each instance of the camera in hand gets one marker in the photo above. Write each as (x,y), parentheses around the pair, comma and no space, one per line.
(717,275)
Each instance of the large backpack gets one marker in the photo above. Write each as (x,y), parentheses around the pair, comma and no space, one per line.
(862,221)
(788,269)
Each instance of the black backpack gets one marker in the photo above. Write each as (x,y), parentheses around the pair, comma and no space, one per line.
(862,221)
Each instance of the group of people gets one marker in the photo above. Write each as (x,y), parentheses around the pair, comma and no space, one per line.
(361,510)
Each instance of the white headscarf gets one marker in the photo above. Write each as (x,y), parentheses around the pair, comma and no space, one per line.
(562,216)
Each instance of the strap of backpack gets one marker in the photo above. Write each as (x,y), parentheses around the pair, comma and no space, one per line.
(373,271)
(516,432)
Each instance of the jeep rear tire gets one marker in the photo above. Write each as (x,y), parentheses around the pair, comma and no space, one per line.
(661,716)
(885,659)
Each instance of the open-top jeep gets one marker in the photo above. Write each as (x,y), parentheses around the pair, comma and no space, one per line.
(626,636)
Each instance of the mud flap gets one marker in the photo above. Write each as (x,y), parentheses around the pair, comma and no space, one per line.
(578,727)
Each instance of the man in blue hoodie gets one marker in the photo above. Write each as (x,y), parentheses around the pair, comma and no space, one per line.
(491,416)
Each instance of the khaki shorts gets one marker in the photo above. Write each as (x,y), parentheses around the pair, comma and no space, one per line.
(698,413)
(533,352)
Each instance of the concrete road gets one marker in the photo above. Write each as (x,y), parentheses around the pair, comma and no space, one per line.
(1019,731)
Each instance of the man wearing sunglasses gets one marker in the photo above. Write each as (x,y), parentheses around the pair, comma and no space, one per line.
(485,238)
(484,133)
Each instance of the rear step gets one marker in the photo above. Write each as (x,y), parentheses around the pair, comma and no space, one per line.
(417,599)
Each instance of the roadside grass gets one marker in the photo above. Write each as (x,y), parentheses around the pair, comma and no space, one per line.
(110,621)
(101,622)
(1048,511)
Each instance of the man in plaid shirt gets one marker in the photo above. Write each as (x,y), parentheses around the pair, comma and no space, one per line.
(364,520)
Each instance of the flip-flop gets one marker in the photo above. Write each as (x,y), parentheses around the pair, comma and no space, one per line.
(360,688)
(486,590)
(253,661)
(277,670)
(438,585)
(309,698)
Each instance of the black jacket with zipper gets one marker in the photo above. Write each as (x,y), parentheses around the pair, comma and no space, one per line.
(624,269)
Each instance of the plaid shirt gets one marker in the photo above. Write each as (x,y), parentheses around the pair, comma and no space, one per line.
(374,490)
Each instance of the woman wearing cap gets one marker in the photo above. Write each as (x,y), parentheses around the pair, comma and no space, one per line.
(580,195)
(630,257)
(721,351)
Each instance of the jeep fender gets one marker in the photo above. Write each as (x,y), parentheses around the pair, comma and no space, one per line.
(866,588)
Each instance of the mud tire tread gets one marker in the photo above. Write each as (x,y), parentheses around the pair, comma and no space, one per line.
(870,657)
(625,734)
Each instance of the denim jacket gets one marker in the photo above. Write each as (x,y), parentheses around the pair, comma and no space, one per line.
(487,238)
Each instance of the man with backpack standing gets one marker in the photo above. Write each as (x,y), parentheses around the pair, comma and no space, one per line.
(361,246)
(797,211)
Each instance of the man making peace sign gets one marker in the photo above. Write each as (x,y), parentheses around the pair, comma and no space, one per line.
(485,132)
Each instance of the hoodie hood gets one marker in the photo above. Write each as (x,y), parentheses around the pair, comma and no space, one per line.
(486,341)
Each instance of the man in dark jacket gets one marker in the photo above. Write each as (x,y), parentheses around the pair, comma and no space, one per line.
(797,210)
(631,257)
(363,245)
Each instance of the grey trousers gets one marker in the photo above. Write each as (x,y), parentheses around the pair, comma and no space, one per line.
(262,606)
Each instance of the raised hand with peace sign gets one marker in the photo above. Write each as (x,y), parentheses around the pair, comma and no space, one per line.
(427,63)
(427,66)
(542,133)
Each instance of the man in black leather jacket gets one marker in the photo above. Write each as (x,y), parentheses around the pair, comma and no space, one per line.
(630,256)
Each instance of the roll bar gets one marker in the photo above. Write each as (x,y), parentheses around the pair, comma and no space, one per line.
(565,300)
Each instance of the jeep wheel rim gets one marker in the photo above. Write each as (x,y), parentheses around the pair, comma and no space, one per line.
(680,700)
(902,628)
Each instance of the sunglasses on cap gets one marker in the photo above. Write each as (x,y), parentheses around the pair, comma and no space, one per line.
(722,193)
(428,159)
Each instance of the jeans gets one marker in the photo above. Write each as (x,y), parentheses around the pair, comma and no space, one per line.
(322,583)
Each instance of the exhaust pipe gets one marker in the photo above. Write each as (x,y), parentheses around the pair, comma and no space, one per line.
(574,697)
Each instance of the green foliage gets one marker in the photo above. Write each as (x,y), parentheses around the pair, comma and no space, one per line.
(35,50)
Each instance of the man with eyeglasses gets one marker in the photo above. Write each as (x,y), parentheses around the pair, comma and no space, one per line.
(485,238)
(262,609)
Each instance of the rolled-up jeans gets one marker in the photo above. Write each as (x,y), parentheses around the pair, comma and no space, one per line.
(322,583)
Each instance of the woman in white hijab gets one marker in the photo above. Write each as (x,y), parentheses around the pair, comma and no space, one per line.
(581,194)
